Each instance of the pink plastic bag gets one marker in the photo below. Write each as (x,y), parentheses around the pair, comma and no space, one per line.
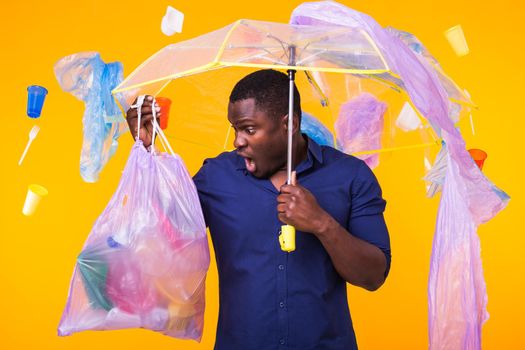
(457,296)
(145,261)
(359,126)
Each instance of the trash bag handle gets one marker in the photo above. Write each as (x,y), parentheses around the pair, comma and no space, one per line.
(153,123)
(138,105)
(163,139)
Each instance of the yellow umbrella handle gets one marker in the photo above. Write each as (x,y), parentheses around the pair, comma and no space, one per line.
(287,238)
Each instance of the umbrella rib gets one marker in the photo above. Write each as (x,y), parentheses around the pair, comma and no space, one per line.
(284,45)
(276,59)
(339,32)
(273,61)
(311,56)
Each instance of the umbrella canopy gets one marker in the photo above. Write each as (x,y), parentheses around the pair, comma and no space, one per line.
(335,65)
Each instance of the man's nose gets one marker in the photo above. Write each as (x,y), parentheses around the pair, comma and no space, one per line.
(239,141)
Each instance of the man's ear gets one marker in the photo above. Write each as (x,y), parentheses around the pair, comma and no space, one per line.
(296,125)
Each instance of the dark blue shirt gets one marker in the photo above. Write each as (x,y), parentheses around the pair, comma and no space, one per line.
(270,299)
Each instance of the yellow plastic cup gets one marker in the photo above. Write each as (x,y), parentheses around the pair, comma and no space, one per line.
(33,197)
(456,38)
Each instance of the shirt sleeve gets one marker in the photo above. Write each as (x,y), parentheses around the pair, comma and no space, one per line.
(366,212)
(201,182)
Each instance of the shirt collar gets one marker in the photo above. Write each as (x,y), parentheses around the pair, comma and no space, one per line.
(314,149)
(313,152)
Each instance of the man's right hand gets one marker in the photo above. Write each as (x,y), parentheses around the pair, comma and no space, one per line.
(146,116)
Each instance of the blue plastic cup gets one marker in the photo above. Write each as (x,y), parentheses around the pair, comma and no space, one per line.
(35,100)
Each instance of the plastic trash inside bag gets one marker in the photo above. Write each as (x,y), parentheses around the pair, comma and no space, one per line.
(359,126)
(312,127)
(89,79)
(145,260)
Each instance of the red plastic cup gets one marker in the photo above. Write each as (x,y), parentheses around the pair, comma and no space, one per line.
(164,104)
(479,156)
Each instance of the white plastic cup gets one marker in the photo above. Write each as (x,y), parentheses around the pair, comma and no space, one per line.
(456,38)
(172,21)
(34,195)
(408,119)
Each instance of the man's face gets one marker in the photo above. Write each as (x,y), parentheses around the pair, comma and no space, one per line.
(260,139)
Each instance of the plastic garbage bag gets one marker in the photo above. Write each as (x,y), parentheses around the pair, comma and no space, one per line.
(89,79)
(312,127)
(145,261)
(457,296)
(436,175)
(359,126)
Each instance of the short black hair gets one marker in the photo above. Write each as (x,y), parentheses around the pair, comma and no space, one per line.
(270,90)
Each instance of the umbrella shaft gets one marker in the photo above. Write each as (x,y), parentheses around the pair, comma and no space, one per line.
(291,74)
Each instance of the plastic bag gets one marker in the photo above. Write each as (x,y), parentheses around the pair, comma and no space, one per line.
(436,175)
(91,80)
(145,261)
(312,127)
(457,296)
(359,126)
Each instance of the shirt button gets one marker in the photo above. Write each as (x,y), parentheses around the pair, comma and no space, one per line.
(281,341)
(281,267)
(281,304)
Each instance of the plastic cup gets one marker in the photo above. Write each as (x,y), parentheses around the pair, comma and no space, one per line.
(164,104)
(457,40)
(35,100)
(172,21)
(408,119)
(479,157)
(34,195)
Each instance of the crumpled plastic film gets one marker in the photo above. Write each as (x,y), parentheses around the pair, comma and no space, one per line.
(457,291)
(359,126)
(89,79)
(316,130)
(436,175)
(145,260)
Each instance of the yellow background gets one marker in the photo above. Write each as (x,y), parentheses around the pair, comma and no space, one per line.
(37,254)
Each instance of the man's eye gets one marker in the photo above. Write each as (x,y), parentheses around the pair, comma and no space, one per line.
(250,131)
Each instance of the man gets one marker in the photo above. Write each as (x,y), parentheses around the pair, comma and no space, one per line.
(270,299)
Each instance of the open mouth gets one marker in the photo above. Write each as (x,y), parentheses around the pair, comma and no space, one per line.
(250,165)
